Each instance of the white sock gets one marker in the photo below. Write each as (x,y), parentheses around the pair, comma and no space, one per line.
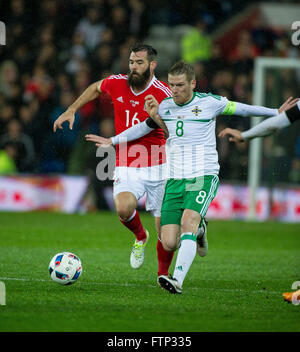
(185,257)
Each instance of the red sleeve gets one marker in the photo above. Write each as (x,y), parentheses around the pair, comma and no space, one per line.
(111,84)
(106,86)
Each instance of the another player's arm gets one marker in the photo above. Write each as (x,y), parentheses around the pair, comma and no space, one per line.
(135,132)
(240,109)
(265,128)
(140,130)
(92,92)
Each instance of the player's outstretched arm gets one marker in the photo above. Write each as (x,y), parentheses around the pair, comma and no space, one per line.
(265,128)
(234,134)
(268,126)
(137,131)
(98,140)
(241,109)
(88,95)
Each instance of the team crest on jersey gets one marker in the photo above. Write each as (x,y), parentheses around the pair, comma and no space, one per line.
(120,99)
(196,111)
(134,103)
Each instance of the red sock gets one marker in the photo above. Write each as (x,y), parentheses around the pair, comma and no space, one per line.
(164,259)
(134,225)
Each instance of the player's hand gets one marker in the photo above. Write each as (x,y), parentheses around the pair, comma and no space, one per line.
(289,103)
(98,140)
(234,135)
(152,109)
(68,115)
(151,105)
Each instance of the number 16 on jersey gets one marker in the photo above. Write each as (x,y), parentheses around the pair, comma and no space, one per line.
(134,119)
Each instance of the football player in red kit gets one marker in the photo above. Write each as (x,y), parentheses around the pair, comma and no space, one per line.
(134,176)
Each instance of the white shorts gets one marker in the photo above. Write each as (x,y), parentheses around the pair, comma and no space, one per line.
(126,180)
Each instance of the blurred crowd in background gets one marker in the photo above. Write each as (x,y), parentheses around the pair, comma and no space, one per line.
(55,49)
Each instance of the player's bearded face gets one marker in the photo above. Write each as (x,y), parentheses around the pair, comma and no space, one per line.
(139,80)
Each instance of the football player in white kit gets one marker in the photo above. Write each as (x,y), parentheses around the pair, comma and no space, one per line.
(192,162)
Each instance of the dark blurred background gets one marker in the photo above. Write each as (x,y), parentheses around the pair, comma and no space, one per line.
(55,49)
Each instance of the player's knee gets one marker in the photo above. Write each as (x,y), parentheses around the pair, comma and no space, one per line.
(190,224)
(170,245)
(125,211)
(125,206)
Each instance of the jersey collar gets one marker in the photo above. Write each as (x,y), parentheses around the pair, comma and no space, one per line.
(194,94)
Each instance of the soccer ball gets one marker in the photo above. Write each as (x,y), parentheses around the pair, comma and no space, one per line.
(65,268)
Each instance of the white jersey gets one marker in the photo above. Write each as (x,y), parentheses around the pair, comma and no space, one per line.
(191,147)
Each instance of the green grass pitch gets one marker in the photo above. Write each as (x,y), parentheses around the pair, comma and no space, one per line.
(236,287)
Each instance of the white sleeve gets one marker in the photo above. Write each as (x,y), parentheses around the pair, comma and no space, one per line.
(240,109)
(219,104)
(132,133)
(267,127)
(254,110)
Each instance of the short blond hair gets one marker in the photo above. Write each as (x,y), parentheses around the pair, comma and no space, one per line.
(180,68)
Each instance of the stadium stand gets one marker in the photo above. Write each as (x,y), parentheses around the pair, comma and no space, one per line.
(55,49)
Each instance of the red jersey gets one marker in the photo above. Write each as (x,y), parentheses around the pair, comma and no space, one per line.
(129,110)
